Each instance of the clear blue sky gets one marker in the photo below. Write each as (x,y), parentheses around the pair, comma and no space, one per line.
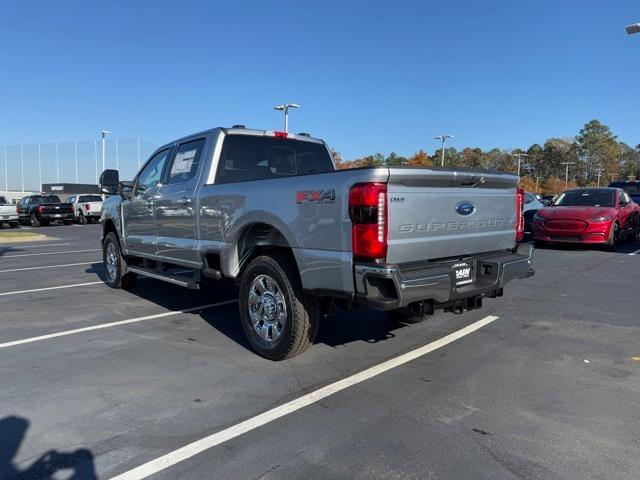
(371,76)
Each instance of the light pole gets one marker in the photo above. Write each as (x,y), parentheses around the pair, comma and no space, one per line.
(442,138)
(633,28)
(566,174)
(519,157)
(285,108)
(104,148)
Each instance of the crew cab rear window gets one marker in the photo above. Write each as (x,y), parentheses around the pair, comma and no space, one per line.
(247,157)
(45,199)
(90,198)
(185,162)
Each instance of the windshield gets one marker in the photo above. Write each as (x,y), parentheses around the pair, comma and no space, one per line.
(3,200)
(587,198)
(46,199)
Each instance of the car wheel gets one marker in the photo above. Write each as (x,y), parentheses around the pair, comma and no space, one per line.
(33,220)
(89,220)
(114,264)
(81,219)
(407,315)
(278,318)
(612,243)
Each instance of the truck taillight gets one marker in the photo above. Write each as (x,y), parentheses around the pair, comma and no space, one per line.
(519,214)
(39,209)
(368,213)
(88,206)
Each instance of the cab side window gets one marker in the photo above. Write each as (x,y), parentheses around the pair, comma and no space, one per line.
(186,161)
(152,173)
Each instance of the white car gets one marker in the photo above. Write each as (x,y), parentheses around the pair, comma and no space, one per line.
(531,205)
(86,208)
(8,213)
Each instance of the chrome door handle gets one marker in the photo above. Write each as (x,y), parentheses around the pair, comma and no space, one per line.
(184,201)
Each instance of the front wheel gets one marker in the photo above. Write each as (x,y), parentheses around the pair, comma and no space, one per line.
(33,220)
(114,264)
(278,318)
(612,243)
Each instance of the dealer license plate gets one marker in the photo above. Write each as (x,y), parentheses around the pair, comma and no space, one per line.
(463,272)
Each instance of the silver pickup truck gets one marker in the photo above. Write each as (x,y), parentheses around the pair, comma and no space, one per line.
(270,211)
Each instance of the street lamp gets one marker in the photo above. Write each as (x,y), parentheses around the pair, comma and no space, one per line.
(442,138)
(633,28)
(566,175)
(285,108)
(519,157)
(104,150)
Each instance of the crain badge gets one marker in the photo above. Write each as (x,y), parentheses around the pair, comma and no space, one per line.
(465,208)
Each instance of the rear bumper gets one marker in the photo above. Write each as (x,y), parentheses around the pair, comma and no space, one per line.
(394,286)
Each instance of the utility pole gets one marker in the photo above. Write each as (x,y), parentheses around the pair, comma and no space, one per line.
(599,174)
(519,157)
(285,108)
(95,156)
(57,165)
(22,165)
(75,156)
(6,171)
(442,138)
(104,147)
(566,175)
(138,145)
(117,158)
(39,169)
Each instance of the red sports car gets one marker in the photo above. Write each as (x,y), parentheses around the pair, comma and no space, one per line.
(588,216)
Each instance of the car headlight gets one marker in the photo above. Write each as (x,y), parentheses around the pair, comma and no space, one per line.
(538,218)
(603,218)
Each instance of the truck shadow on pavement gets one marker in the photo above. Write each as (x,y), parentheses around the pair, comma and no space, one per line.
(13,430)
(339,328)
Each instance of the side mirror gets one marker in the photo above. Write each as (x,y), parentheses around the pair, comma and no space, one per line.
(125,189)
(109,181)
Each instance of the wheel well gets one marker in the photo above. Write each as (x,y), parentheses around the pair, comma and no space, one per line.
(260,239)
(109,226)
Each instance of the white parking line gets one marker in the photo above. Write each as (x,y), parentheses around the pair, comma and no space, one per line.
(199,446)
(51,253)
(635,253)
(113,324)
(16,292)
(2,247)
(49,266)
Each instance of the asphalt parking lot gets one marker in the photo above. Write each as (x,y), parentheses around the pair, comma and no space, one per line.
(99,381)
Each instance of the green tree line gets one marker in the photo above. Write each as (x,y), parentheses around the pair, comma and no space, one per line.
(595,157)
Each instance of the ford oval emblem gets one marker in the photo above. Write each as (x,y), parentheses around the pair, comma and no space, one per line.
(465,208)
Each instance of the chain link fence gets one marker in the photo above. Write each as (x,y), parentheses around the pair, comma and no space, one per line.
(26,167)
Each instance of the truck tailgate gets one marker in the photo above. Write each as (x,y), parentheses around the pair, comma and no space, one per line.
(436,214)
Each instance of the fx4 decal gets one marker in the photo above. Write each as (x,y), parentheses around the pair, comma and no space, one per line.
(322,196)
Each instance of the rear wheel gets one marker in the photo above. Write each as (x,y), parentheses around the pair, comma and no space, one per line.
(33,220)
(278,318)
(81,219)
(114,264)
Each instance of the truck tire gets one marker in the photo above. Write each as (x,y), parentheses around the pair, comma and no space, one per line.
(278,318)
(33,220)
(81,219)
(114,264)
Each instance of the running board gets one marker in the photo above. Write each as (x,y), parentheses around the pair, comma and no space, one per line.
(165,277)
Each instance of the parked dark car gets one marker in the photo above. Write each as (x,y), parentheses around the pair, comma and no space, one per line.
(41,210)
(632,188)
